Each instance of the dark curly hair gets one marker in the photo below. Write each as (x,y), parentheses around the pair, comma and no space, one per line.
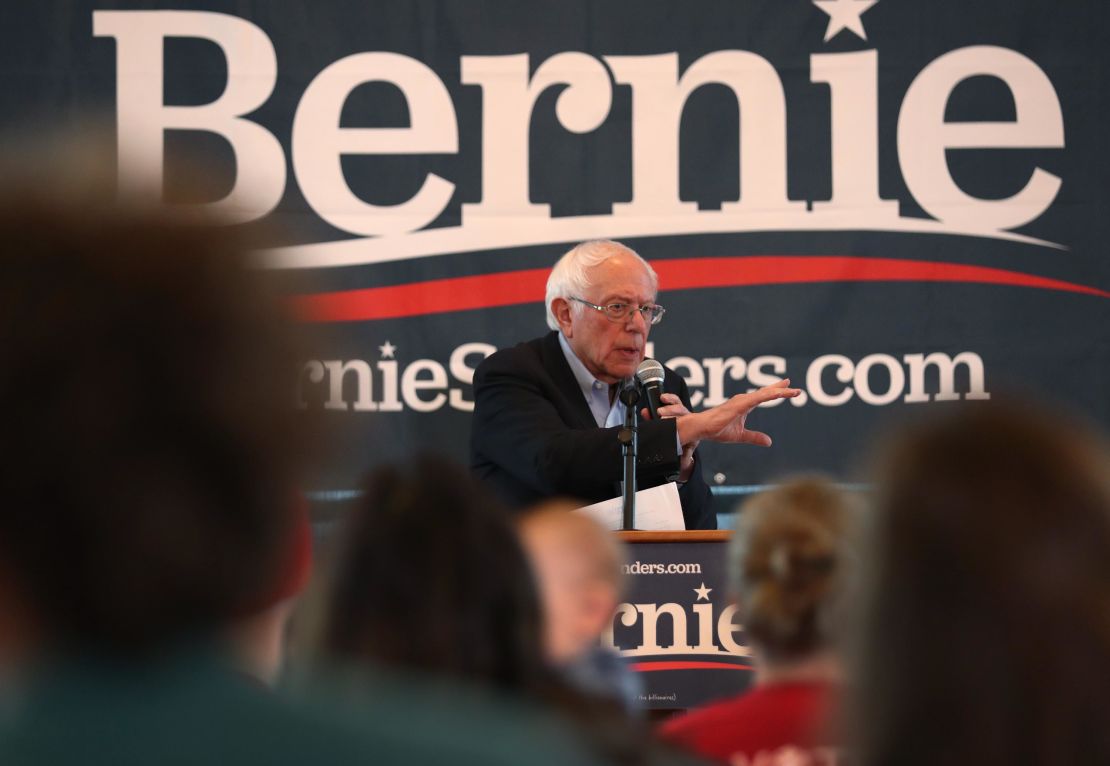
(431,576)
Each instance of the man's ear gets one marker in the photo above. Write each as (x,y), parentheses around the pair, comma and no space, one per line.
(560,307)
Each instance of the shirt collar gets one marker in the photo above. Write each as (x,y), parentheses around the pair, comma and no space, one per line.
(584,377)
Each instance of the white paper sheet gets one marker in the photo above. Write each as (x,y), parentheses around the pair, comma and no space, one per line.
(658,508)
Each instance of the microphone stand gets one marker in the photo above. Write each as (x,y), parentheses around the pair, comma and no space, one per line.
(630,396)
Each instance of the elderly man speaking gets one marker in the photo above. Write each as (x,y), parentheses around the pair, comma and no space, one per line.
(546,413)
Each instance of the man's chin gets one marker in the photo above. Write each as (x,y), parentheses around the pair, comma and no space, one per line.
(624,369)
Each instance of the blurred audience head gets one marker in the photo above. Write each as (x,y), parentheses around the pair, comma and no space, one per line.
(985,627)
(788,569)
(258,637)
(430,576)
(577,563)
(150,449)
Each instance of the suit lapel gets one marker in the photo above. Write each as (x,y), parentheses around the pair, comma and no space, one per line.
(555,362)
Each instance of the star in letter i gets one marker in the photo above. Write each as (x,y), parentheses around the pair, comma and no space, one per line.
(844,14)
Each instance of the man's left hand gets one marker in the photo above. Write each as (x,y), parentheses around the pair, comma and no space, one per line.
(674,408)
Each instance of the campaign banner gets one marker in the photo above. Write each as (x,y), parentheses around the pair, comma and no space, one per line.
(676,626)
(892,203)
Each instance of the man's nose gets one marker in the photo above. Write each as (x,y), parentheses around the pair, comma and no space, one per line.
(635,321)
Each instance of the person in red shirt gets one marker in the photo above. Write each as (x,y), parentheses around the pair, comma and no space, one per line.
(787,562)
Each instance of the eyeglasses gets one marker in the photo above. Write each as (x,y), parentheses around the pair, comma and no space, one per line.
(616,312)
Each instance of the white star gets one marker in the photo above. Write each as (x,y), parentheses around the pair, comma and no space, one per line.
(844,14)
(387,350)
(703,592)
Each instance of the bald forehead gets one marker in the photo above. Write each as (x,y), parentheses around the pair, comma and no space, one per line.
(574,537)
(558,522)
(612,249)
(623,271)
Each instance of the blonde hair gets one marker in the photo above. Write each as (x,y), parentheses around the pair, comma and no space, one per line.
(787,565)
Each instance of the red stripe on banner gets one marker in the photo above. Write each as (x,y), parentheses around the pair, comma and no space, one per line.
(436,296)
(439,296)
(690,273)
(648,667)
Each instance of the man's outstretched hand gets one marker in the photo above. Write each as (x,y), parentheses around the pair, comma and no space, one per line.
(726,423)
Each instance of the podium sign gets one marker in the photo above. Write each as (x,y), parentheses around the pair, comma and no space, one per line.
(676,627)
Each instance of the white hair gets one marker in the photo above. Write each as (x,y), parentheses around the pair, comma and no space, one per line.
(570,277)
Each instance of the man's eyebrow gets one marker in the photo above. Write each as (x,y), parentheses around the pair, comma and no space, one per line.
(624,298)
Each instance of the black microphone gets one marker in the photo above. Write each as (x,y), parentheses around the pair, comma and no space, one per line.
(629,392)
(650,375)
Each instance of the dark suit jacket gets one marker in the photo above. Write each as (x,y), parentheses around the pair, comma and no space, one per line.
(533,435)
